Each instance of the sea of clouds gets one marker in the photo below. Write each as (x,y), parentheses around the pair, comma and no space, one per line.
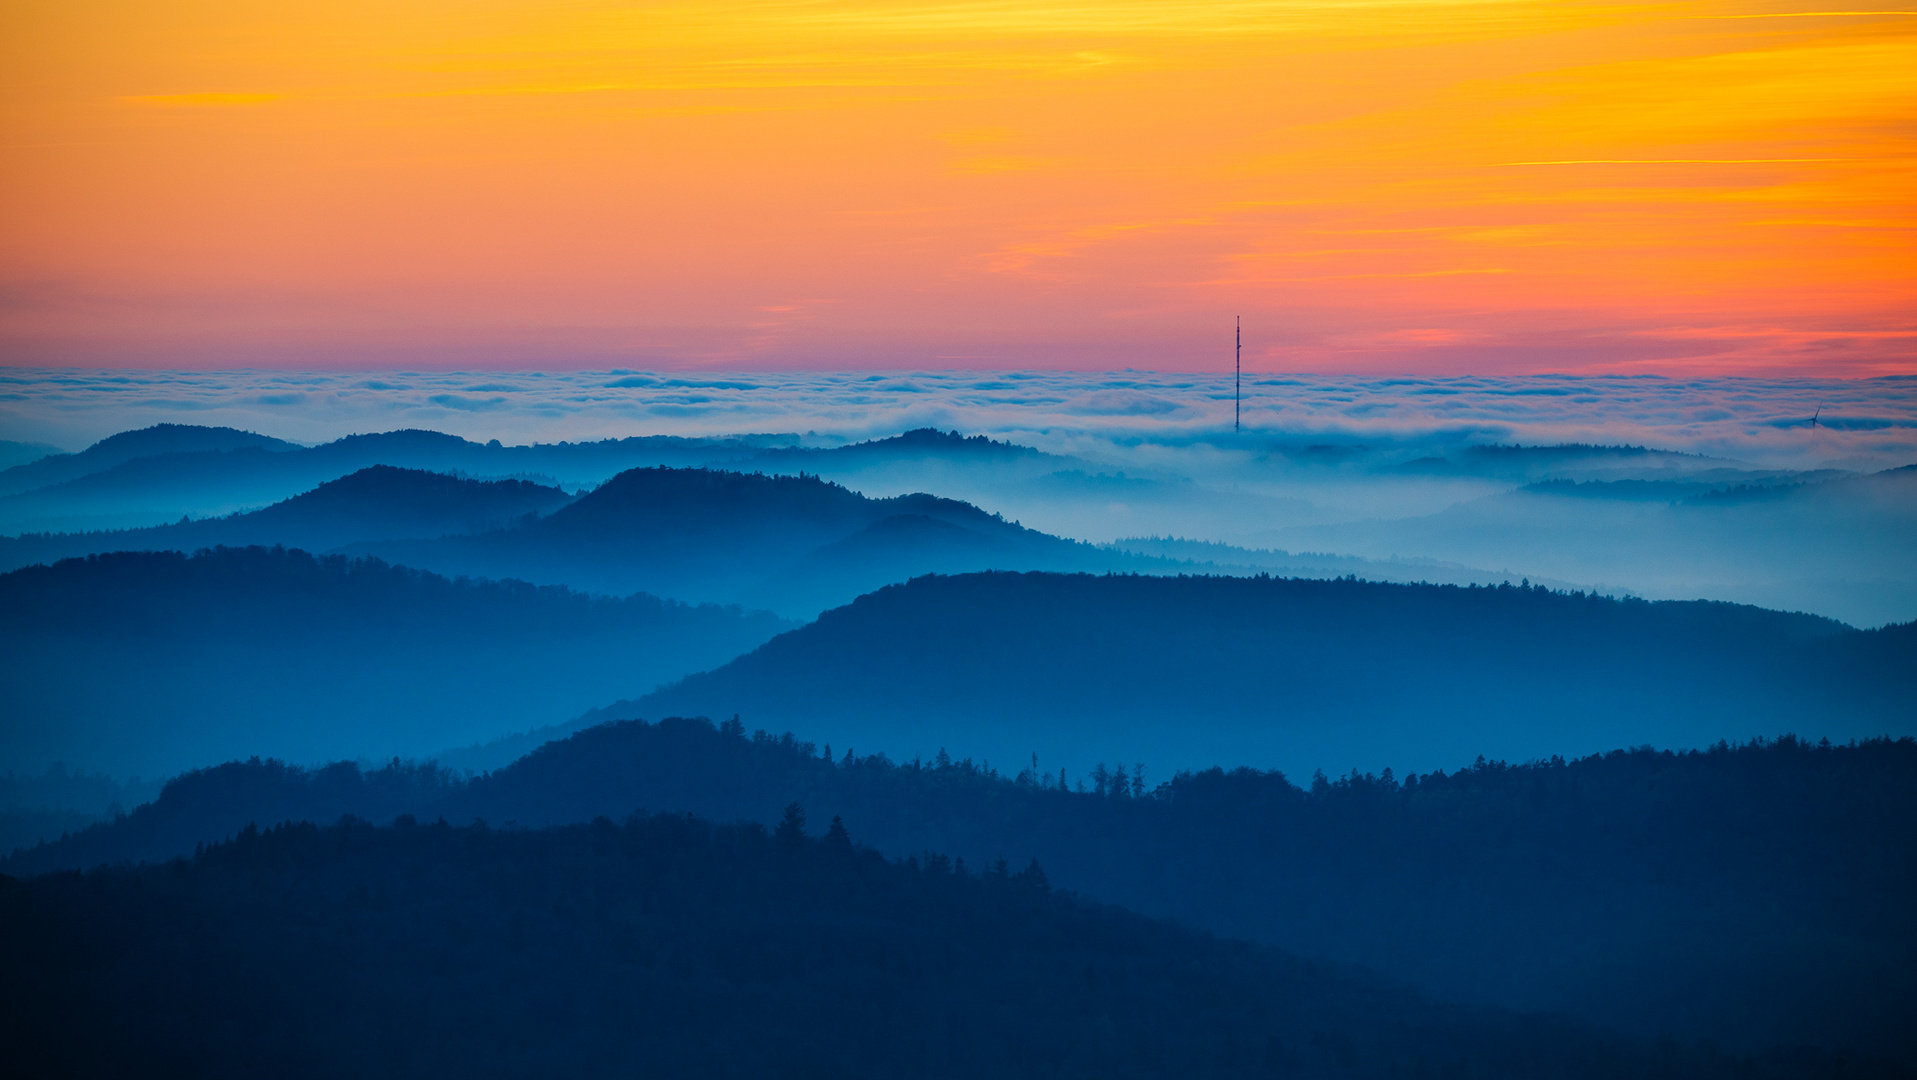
(1862,424)
(1327,464)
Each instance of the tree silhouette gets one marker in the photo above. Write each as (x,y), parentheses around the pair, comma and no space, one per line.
(791,830)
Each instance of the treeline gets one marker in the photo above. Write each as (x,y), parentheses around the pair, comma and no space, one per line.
(1755,895)
(1752,894)
(668,946)
(43,805)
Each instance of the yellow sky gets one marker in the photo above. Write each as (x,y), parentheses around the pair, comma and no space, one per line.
(1416,185)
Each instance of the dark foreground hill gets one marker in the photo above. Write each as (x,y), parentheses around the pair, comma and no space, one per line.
(1298,674)
(793,544)
(379,502)
(1756,896)
(148,663)
(670,947)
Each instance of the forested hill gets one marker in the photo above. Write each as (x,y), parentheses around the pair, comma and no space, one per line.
(683,949)
(155,475)
(153,487)
(794,544)
(1753,895)
(148,663)
(379,502)
(918,443)
(1299,674)
(126,446)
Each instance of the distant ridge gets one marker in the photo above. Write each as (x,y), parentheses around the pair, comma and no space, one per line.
(1205,557)
(1188,672)
(145,477)
(792,543)
(1517,461)
(226,474)
(21,453)
(379,502)
(151,662)
(916,443)
(795,544)
(129,445)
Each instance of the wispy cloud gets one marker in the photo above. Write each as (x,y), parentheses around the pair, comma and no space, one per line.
(206,100)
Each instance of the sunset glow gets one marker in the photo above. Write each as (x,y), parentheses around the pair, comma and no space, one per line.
(1432,186)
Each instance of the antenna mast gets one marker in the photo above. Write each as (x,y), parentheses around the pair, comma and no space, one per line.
(1237,369)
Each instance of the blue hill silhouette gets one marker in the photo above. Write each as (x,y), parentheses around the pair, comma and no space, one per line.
(156,474)
(918,443)
(160,439)
(1750,895)
(682,948)
(793,544)
(1296,674)
(379,502)
(160,485)
(152,662)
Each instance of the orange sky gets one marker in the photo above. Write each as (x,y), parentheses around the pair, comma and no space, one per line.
(1436,186)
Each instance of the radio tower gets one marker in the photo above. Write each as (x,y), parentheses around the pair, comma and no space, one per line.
(1237,369)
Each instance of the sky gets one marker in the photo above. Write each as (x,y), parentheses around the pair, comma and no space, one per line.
(1426,187)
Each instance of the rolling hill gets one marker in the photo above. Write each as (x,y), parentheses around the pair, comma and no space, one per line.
(170,478)
(148,663)
(1749,895)
(14,453)
(1190,672)
(689,949)
(792,544)
(379,502)
(155,441)
(156,475)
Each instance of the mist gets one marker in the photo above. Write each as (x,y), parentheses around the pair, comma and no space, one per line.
(1705,489)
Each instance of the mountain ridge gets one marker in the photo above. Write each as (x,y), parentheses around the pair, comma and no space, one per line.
(379,502)
(699,949)
(687,533)
(1745,894)
(1070,665)
(152,662)
(160,439)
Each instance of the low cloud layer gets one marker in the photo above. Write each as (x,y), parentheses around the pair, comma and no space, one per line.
(1860,424)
